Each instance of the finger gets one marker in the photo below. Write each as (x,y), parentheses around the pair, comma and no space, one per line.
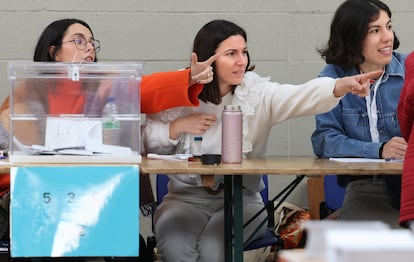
(370,75)
(401,147)
(204,81)
(399,140)
(360,91)
(208,122)
(204,127)
(365,90)
(212,59)
(400,144)
(399,153)
(207,71)
(210,117)
(194,59)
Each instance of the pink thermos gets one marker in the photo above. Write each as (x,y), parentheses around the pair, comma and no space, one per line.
(231,134)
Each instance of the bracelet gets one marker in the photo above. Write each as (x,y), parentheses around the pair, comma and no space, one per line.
(381,149)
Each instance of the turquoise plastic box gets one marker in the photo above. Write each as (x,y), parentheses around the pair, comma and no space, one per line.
(74,211)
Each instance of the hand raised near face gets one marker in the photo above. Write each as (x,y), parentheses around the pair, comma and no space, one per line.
(201,72)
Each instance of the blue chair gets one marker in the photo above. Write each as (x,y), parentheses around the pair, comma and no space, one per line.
(334,196)
(269,239)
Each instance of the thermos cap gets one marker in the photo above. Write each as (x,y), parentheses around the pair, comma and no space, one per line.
(232,107)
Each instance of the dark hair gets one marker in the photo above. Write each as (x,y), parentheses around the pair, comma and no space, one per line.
(349,28)
(52,35)
(205,44)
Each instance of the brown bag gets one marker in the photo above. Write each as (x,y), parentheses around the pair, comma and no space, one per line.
(289,219)
(4,213)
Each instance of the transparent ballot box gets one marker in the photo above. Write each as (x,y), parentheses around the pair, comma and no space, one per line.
(75,113)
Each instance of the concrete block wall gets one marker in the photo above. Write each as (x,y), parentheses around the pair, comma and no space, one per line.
(282,38)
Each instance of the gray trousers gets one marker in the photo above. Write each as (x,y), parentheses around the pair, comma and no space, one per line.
(192,229)
(368,199)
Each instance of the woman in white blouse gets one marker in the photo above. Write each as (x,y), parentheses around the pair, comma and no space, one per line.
(189,224)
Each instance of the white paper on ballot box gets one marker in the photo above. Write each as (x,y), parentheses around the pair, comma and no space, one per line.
(69,133)
(74,137)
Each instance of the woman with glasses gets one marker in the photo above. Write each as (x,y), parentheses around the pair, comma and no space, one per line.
(72,40)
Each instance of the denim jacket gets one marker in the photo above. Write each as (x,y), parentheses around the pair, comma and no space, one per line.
(344,131)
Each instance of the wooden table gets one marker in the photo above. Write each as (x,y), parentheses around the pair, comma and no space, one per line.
(309,166)
(4,168)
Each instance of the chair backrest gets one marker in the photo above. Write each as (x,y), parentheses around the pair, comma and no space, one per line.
(162,189)
(265,192)
(334,194)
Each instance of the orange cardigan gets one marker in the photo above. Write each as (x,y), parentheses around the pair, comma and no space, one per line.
(160,91)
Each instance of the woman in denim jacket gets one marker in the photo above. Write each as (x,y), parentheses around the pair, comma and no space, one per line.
(364,127)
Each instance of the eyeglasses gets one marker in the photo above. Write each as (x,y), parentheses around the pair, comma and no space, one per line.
(81,43)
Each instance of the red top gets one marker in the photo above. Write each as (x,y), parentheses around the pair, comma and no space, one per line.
(66,97)
(406,119)
(159,91)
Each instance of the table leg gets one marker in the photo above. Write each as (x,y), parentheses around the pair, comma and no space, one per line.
(228,218)
(315,194)
(238,217)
